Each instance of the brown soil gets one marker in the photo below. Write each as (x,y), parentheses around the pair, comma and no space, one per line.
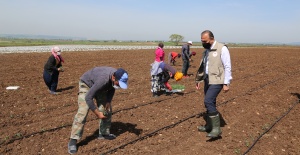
(265,86)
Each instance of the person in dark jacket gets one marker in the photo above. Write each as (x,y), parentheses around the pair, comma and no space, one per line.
(52,68)
(185,53)
(97,84)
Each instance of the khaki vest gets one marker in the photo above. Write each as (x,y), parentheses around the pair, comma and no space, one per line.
(215,66)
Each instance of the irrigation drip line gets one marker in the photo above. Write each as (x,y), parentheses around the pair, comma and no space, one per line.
(134,107)
(63,126)
(259,137)
(157,101)
(199,115)
(34,133)
(153,133)
(163,128)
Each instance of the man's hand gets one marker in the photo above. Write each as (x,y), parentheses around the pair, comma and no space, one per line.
(60,69)
(225,88)
(99,114)
(198,85)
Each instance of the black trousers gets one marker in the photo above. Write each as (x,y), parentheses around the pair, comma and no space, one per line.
(185,67)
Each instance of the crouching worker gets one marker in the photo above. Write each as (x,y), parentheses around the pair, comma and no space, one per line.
(160,75)
(192,54)
(172,56)
(98,83)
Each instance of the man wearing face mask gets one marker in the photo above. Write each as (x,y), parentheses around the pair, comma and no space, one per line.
(215,71)
(98,83)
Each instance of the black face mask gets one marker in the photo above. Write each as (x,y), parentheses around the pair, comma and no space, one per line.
(206,45)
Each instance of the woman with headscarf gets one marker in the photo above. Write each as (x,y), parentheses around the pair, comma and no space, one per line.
(52,68)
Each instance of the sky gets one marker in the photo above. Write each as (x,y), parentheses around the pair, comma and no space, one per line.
(239,21)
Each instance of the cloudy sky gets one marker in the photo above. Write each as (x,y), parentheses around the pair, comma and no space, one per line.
(248,21)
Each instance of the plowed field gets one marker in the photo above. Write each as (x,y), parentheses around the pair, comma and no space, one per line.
(262,102)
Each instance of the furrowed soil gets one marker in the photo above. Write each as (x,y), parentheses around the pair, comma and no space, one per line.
(262,102)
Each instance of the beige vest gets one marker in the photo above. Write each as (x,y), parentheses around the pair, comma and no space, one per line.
(215,66)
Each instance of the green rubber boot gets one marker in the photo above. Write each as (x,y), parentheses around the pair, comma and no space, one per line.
(207,127)
(216,130)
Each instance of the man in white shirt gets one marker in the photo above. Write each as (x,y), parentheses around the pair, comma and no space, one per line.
(215,71)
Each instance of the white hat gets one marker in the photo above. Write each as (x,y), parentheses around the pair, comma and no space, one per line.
(190,42)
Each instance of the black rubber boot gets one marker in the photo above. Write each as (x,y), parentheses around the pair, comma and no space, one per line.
(207,127)
(72,148)
(216,130)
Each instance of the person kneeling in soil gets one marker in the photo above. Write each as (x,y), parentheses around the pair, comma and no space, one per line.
(98,83)
(160,75)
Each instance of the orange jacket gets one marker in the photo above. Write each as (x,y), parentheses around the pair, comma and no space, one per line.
(174,55)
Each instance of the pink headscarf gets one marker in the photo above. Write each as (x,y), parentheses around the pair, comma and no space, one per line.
(54,51)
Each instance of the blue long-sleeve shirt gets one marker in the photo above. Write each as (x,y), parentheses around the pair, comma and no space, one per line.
(98,80)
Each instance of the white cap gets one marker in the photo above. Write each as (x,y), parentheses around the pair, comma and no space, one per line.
(190,42)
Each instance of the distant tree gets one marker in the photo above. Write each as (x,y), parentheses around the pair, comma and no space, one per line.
(176,38)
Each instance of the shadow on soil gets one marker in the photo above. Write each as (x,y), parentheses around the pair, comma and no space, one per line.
(64,89)
(222,121)
(214,139)
(117,128)
(296,94)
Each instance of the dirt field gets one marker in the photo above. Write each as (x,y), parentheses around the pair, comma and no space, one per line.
(265,90)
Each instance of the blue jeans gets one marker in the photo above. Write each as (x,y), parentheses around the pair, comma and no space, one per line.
(51,80)
(211,93)
(185,67)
